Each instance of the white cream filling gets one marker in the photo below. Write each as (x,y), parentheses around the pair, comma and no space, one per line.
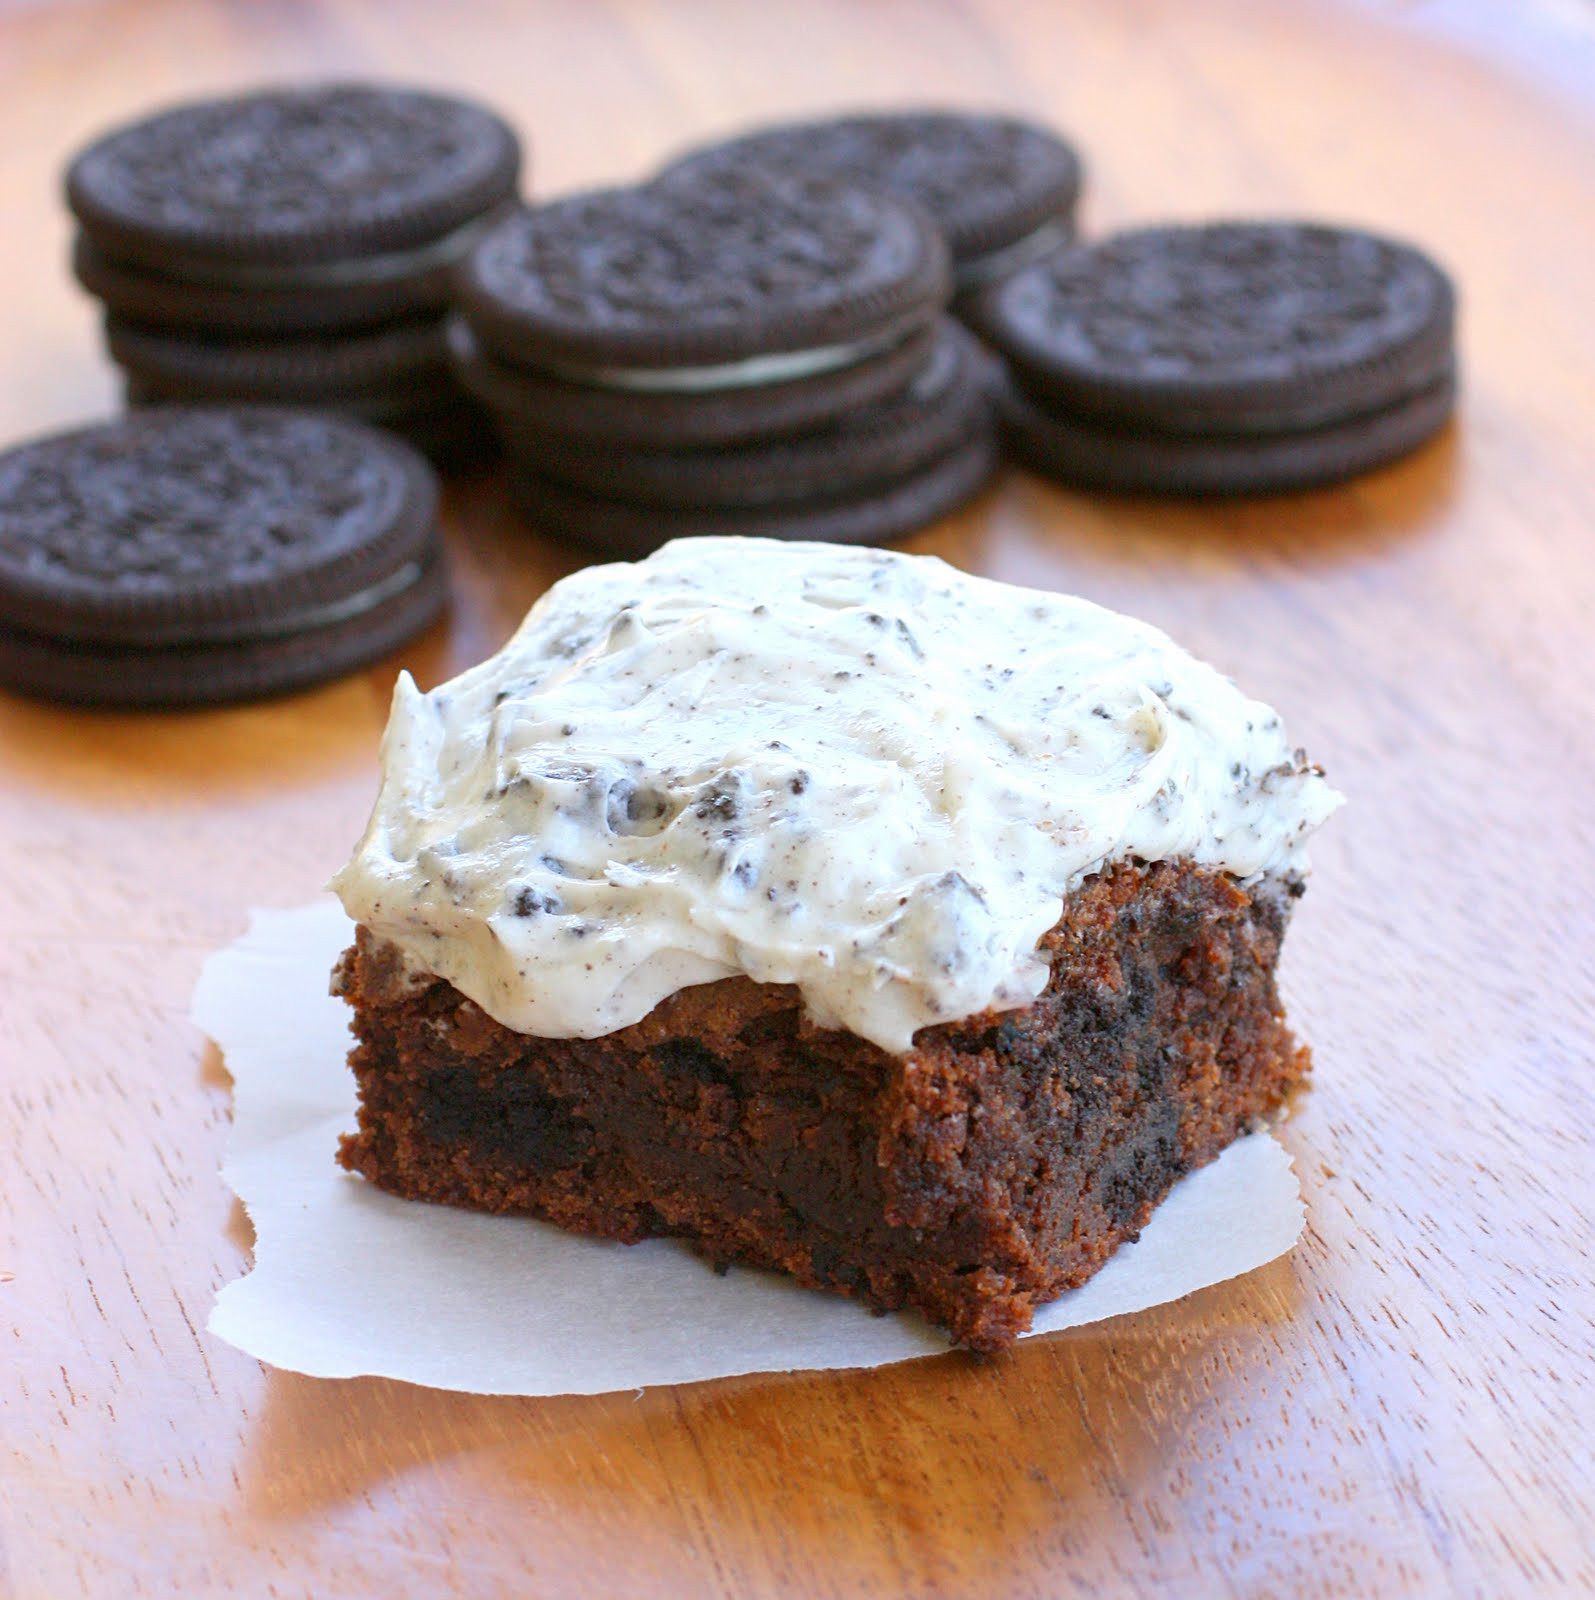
(785,366)
(998,264)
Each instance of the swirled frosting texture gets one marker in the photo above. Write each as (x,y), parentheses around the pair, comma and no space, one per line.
(857,771)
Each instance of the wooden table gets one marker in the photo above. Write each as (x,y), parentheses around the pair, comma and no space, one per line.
(1404,1405)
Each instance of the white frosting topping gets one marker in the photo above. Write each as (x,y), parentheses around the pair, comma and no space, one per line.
(861,772)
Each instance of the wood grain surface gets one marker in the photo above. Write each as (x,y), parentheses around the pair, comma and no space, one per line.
(1406,1404)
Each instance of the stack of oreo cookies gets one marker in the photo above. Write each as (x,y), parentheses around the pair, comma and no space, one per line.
(735,354)
(1003,191)
(1231,358)
(196,554)
(294,246)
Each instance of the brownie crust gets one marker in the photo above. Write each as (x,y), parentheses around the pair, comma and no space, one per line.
(999,1163)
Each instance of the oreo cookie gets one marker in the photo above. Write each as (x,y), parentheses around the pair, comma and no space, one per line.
(688,287)
(1002,191)
(1132,460)
(945,406)
(199,554)
(873,515)
(294,188)
(326,215)
(729,354)
(394,377)
(137,295)
(531,405)
(399,363)
(1230,358)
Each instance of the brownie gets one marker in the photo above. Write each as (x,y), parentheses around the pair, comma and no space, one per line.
(996,1164)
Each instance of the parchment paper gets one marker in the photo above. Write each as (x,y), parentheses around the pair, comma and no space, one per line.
(348,1280)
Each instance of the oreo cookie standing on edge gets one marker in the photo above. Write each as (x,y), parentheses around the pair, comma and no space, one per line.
(1003,191)
(199,554)
(1224,358)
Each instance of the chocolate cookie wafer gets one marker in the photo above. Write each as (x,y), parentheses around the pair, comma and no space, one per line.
(691,287)
(944,407)
(529,404)
(1002,190)
(875,514)
(396,377)
(195,554)
(297,189)
(1098,455)
(1227,358)
(398,361)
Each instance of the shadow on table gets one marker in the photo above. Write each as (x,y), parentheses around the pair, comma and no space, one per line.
(940,1457)
(132,760)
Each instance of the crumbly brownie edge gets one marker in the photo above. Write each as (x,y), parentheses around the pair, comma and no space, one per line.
(998,1164)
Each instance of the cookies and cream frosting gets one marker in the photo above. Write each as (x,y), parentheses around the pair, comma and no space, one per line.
(857,771)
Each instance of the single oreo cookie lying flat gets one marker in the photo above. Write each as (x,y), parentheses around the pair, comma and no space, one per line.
(1097,455)
(389,364)
(688,287)
(1227,358)
(939,410)
(874,516)
(527,403)
(396,376)
(193,554)
(1001,190)
(288,186)
(1227,327)
(358,301)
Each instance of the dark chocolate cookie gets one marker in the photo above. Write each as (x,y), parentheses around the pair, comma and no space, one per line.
(527,404)
(214,532)
(1099,455)
(320,646)
(1227,328)
(451,431)
(991,183)
(879,514)
(403,362)
(292,177)
(942,408)
(147,296)
(664,288)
